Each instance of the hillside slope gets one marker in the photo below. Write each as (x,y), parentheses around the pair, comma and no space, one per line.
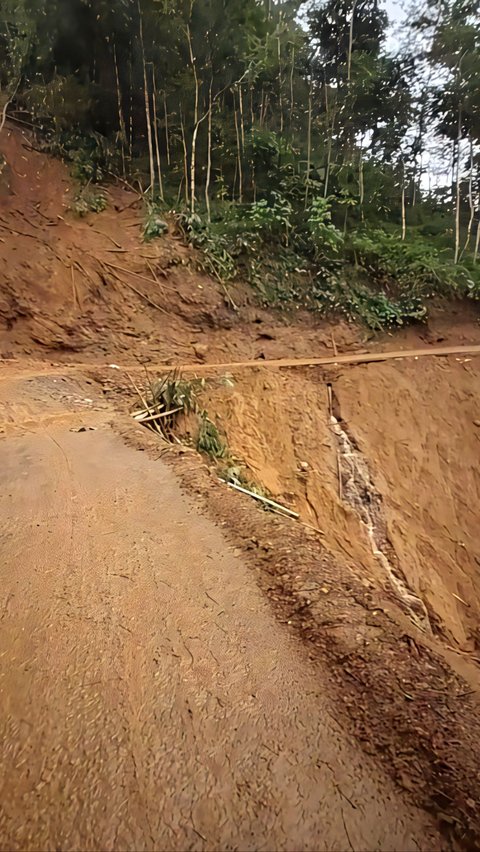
(380,459)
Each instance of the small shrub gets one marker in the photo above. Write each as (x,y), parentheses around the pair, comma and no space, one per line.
(89,201)
(262,221)
(415,266)
(174,392)
(155,225)
(60,104)
(357,302)
(92,157)
(326,238)
(212,242)
(209,440)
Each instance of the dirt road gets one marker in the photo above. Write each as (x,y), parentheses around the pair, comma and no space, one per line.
(149,699)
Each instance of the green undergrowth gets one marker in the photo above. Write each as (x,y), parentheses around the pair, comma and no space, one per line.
(209,440)
(294,255)
(155,225)
(89,200)
(91,157)
(176,396)
(211,443)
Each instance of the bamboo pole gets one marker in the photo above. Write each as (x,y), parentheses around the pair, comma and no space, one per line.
(147,105)
(291,87)
(167,137)
(470,199)
(309,143)
(209,152)
(457,199)
(239,152)
(404,217)
(155,128)
(185,157)
(121,119)
(261,499)
(195,122)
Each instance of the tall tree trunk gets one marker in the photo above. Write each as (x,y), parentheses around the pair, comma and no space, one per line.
(260,120)
(350,43)
(404,213)
(361,186)
(457,200)
(329,155)
(121,119)
(477,239)
(309,144)
(185,157)
(209,152)
(280,101)
(155,129)
(292,102)
(130,107)
(242,120)
(239,151)
(454,163)
(147,105)
(167,137)
(470,199)
(193,154)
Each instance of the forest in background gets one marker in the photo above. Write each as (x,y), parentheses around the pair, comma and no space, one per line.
(298,145)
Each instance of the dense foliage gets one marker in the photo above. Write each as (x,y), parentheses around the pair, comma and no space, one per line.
(297,147)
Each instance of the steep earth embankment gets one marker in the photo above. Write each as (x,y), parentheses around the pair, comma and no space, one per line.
(91,288)
(416,428)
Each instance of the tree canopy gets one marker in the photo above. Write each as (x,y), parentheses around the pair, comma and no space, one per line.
(241,102)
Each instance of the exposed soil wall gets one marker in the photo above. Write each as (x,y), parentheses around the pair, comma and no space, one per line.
(415,425)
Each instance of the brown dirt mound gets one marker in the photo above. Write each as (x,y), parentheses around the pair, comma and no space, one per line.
(91,285)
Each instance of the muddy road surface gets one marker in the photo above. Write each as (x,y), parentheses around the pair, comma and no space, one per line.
(149,698)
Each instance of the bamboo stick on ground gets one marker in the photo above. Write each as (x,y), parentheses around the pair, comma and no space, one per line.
(265,500)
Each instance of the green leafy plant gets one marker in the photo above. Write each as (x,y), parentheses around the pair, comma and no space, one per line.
(89,200)
(358,302)
(173,391)
(155,225)
(325,237)
(416,266)
(263,220)
(92,157)
(209,440)
(213,243)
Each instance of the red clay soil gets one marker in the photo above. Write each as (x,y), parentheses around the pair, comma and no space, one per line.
(150,698)
(91,289)
(201,688)
(387,681)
